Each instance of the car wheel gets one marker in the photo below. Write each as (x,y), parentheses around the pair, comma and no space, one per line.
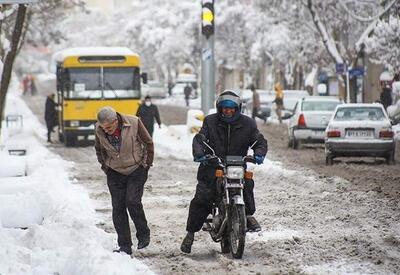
(295,144)
(390,158)
(290,142)
(329,160)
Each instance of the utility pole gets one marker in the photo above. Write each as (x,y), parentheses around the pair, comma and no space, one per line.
(207,57)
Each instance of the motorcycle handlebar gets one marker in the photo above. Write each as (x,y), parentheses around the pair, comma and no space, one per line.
(249,159)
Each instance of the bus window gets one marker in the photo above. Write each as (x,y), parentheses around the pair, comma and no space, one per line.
(84,83)
(121,82)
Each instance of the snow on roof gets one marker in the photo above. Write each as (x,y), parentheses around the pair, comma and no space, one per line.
(321,98)
(92,51)
(348,105)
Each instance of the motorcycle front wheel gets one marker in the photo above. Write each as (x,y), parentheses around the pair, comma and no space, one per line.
(237,234)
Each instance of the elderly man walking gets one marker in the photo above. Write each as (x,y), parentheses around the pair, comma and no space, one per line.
(125,151)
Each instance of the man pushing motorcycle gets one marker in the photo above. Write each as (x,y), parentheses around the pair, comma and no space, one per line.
(230,133)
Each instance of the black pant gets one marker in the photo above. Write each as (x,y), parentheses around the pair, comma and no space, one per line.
(256,113)
(206,194)
(50,129)
(126,193)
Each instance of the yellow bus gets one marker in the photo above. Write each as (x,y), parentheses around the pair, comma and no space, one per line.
(91,78)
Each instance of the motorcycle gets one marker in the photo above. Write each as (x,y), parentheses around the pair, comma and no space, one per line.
(228,222)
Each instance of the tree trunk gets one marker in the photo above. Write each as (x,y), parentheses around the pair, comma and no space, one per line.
(10,57)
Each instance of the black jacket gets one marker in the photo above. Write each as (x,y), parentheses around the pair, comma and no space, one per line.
(147,115)
(50,113)
(229,139)
(386,97)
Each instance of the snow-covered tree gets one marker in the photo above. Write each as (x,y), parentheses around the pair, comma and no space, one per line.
(384,43)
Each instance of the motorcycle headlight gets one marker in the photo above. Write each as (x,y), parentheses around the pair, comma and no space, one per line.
(235,172)
(74,123)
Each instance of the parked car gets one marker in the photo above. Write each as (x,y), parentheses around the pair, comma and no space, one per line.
(290,98)
(358,130)
(154,89)
(310,117)
(266,102)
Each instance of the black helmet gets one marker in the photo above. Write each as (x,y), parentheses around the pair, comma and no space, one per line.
(229,99)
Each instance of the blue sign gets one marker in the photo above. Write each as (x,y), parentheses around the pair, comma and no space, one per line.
(341,68)
(323,76)
(356,72)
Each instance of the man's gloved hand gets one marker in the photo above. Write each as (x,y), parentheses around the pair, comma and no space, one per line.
(201,159)
(259,159)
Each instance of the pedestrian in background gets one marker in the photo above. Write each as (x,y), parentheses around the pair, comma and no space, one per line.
(170,86)
(148,113)
(26,84)
(256,112)
(125,151)
(33,85)
(386,96)
(50,115)
(187,91)
(279,101)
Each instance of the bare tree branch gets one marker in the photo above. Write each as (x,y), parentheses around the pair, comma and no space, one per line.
(328,41)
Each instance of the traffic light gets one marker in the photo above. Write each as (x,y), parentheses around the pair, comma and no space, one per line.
(207,18)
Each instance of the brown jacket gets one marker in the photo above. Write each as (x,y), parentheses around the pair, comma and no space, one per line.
(137,147)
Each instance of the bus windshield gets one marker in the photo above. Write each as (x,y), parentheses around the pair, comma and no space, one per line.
(110,83)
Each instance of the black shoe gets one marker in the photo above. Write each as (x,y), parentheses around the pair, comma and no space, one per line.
(126,250)
(143,243)
(252,224)
(186,246)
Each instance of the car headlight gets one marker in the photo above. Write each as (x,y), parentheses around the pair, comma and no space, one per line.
(74,123)
(235,172)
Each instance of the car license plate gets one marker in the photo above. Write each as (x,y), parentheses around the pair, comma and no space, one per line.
(318,133)
(359,133)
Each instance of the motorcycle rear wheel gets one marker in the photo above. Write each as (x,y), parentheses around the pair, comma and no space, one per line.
(237,232)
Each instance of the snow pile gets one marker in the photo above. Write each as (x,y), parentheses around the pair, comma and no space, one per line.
(173,141)
(47,224)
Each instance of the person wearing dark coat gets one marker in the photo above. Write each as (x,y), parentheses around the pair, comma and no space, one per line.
(148,112)
(187,92)
(228,132)
(50,115)
(386,97)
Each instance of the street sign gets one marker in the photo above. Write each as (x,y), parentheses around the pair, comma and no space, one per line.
(341,68)
(206,54)
(18,1)
(356,72)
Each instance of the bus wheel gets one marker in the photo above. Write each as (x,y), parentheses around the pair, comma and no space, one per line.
(70,141)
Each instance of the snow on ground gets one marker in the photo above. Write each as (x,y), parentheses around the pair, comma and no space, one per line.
(179,100)
(47,223)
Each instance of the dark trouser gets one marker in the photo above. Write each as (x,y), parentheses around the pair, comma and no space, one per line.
(256,114)
(206,194)
(126,193)
(150,129)
(49,131)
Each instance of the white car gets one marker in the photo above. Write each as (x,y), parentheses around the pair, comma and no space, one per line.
(154,89)
(310,117)
(359,130)
(290,98)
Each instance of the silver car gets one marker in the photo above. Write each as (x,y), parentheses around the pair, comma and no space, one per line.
(154,89)
(310,117)
(358,130)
